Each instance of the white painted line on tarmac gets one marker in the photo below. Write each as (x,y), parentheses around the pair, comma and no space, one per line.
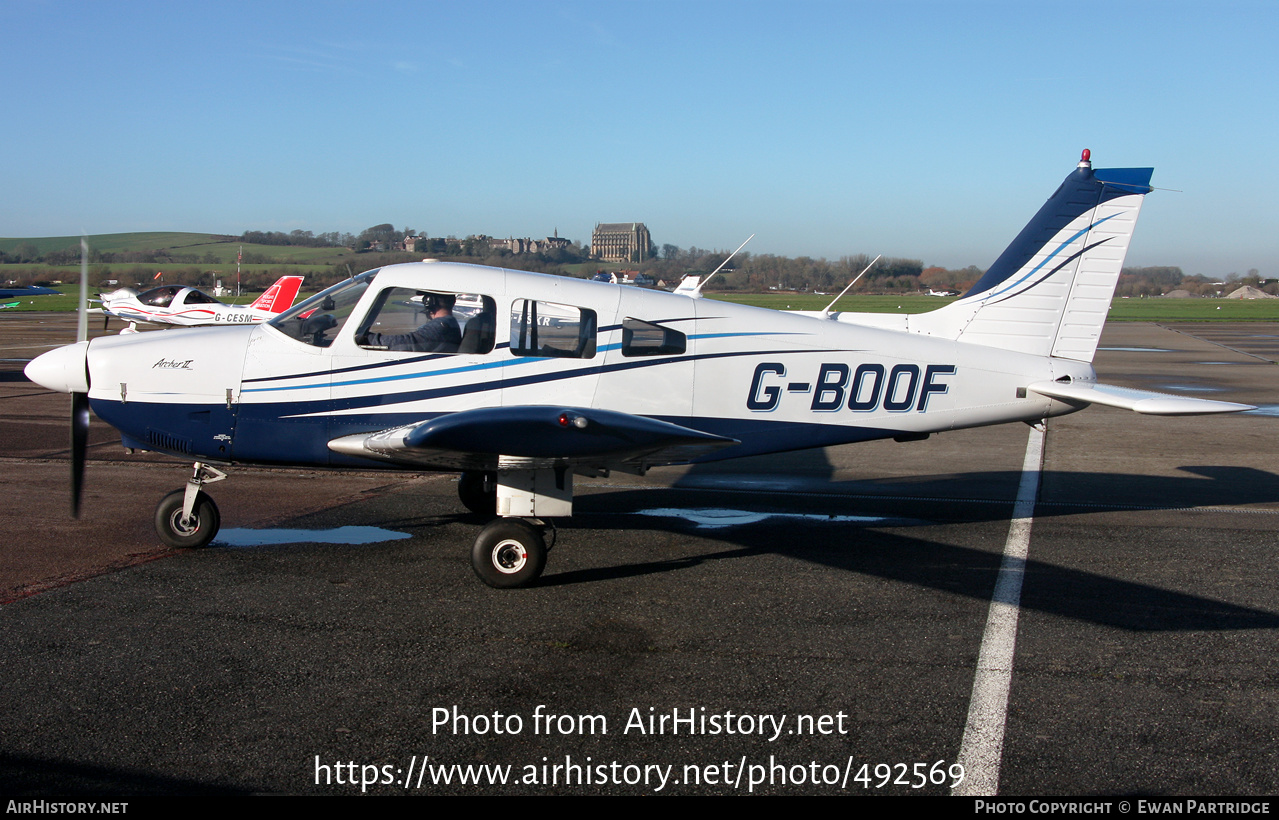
(983,746)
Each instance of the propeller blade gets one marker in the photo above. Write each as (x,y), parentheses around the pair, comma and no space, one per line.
(82,324)
(79,443)
(80,401)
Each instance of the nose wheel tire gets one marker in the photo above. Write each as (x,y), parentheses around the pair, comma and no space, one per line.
(509,553)
(194,533)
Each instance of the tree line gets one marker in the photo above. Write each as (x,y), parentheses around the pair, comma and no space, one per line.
(382,244)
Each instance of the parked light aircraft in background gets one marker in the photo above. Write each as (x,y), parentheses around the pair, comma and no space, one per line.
(29,290)
(555,376)
(179,305)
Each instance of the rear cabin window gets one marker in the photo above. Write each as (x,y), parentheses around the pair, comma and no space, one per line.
(547,329)
(647,339)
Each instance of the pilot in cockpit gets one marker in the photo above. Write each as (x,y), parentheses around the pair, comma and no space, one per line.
(440,334)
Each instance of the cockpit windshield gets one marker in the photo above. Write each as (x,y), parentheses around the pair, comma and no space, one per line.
(318,320)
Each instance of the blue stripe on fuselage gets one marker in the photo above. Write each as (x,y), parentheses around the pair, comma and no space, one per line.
(262,438)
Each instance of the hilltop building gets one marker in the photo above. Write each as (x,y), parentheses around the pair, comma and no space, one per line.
(621,241)
(528,245)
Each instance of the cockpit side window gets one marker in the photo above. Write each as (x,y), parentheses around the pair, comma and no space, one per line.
(318,320)
(547,329)
(647,339)
(423,321)
(196,297)
(159,297)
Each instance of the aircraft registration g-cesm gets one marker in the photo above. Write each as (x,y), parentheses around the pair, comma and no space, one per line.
(189,307)
(544,376)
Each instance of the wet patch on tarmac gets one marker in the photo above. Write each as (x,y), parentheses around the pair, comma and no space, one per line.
(341,535)
(1191,388)
(1138,349)
(711,519)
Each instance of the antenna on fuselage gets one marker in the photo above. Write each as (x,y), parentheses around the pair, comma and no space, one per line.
(826,312)
(696,291)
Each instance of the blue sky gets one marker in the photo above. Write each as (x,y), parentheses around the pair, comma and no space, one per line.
(923,129)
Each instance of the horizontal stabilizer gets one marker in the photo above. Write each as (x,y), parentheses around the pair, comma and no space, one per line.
(1140,401)
(533,436)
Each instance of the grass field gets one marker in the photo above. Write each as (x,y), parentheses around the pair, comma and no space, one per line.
(907,303)
(67,302)
(1194,310)
(1121,310)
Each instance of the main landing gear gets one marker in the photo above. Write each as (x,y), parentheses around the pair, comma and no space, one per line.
(511,551)
(478,491)
(188,518)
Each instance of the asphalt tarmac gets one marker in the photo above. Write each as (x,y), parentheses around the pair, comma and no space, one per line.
(804,624)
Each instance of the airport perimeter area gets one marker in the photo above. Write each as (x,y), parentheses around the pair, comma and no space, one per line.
(808,623)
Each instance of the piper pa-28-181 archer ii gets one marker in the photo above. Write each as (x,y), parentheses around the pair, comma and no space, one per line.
(548,376)
(188,307)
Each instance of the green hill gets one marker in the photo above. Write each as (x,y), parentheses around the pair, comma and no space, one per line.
(223,248)
(114,242)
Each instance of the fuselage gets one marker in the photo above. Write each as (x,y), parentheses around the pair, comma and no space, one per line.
(183,306)
(277,393)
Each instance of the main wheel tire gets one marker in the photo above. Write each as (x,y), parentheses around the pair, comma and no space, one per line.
(198,532)
(509,553)
(478,491)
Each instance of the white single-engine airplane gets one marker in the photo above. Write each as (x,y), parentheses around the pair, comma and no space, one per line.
(180,305)
(554,376)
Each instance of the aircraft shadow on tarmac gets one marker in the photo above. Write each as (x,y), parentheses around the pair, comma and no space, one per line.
(857,535)
(810,472)
(883,550)
(801,484)
(27,775)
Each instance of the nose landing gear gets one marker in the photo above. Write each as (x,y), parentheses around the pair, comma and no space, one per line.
(188,518)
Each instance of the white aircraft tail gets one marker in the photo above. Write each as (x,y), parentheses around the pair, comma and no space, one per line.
(1048,294)
(279,297)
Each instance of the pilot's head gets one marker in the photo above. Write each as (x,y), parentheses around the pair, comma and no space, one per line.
(436,302)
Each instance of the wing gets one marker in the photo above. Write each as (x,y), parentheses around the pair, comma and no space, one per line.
(1127,398)
(532,437)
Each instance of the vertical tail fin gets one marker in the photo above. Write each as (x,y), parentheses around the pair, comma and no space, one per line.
(1048,293)
(279,297)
